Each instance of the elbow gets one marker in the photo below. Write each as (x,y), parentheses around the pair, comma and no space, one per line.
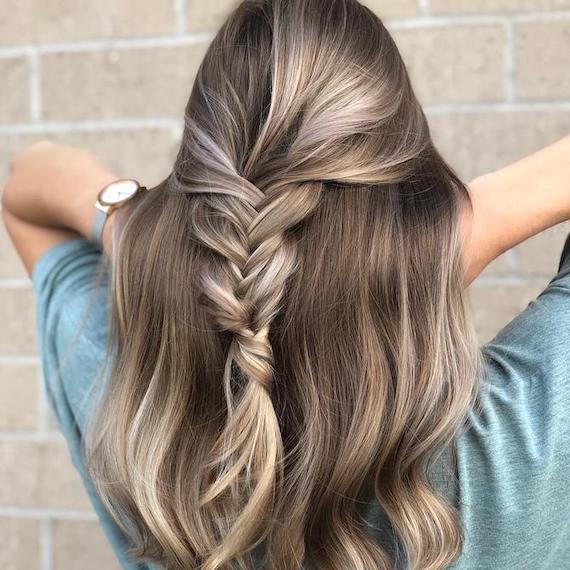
(29,153)
(16,167)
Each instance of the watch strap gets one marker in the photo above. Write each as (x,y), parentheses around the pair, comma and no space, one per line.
(97,227)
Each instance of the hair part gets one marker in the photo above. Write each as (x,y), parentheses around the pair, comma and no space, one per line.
(289,329)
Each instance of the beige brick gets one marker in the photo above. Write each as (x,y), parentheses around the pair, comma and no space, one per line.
(494,305)
(453,6)
(209,16)
(18,396)
(542,60)
(81,545)
(15,90)
(476,143)
(52,423)
(68,20)
(148,82)
(145,154)
(10,263)
(40,474)
(499,266)
(388,9)
(540,254)
(17,315)
(20,544)
(455,63)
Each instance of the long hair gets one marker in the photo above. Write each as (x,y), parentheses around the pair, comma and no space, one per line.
(288,320)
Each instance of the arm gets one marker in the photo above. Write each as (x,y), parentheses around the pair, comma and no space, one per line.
(516,202)
(50,197)
(52,189)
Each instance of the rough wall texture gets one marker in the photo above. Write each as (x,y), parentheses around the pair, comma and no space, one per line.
(114,76)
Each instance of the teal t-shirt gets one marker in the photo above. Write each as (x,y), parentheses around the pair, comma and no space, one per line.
(512,464)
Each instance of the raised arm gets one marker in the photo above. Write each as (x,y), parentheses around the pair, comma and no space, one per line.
(50,197)
(53,188)
(516,202)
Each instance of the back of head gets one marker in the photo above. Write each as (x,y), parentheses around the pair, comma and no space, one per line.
(288,322)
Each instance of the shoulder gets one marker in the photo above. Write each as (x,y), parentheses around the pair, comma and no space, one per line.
(70,281)
(68,265)
(537,340)
(514,455)
(527,371)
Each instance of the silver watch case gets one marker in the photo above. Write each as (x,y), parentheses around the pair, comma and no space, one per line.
(110,197)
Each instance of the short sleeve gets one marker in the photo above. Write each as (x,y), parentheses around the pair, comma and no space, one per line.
(564,256)
(528,364)
(65,268)
(64,280)
(514,461)
(534,347)
(70,283)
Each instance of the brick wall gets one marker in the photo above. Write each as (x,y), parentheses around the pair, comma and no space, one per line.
(114,77)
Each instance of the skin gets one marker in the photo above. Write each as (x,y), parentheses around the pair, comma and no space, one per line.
(51,191)
(516,202)
(50,197)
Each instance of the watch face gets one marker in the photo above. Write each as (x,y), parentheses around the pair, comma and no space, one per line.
(118,191)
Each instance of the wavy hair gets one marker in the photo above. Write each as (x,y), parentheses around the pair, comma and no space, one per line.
(289,329)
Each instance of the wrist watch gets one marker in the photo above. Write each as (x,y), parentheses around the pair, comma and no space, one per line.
(109,198)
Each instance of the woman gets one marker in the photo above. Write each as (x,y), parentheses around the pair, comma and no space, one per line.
(293,375)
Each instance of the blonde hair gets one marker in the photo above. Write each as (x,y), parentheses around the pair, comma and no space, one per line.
(289,327)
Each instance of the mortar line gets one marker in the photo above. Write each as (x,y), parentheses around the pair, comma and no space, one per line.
(15,282)
(32,436)
(510,279)
(176,124)
(90,125)
(42,409)
(514,259)
(180,15)
(46,547)
(511,256)
(424,7)
(189,38)
(429,22)
(47,513)
(541,16)
(35,99)
(11,359)
(510,63)
(109,44)
(505,106)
